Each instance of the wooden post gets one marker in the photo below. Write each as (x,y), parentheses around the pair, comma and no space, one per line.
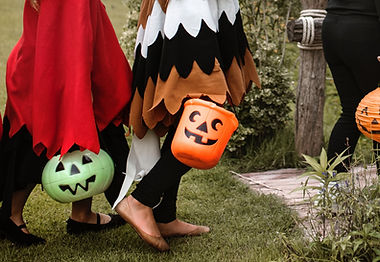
(311,84)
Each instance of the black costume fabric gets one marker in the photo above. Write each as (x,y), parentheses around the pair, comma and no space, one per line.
(351,37)
(354,7)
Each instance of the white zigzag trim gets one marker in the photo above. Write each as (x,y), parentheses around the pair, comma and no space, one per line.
(189,13)
(231,9)
(154,26)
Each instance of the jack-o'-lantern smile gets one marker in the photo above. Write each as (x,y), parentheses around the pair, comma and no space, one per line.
(374,122)
(376,132)
(198,138)
(74,191)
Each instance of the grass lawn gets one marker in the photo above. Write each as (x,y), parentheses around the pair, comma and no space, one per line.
(245,227)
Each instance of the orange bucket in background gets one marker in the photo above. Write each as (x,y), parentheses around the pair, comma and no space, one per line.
(202,133)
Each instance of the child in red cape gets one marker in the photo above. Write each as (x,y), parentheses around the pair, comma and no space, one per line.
(68,86)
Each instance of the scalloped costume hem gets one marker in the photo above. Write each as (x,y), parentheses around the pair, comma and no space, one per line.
(181,53)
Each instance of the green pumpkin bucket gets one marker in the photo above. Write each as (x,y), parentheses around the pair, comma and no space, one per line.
(77,175)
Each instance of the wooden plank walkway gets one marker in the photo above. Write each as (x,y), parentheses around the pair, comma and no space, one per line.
(282,182)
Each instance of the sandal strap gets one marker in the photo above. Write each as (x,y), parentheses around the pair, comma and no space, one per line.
(97,218)
(22,226)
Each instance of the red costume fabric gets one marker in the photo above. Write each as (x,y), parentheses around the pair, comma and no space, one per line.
(67,77)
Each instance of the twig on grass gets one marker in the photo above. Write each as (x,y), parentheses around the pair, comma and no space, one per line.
(253,182)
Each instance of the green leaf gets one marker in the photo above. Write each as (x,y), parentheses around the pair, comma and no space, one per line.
(357,244)
(339,159)
(313,163)
(341,176)
(307,174)
(375,234)
(314,176)
(323,159)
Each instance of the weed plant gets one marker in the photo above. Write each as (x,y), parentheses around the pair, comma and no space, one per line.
(344,216)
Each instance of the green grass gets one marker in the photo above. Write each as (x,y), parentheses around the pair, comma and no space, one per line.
(272,153)
(10,30)
(246,226)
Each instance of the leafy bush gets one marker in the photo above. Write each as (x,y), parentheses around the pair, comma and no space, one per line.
(264,111)
(128,37)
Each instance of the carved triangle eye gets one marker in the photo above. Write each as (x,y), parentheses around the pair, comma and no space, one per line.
(86,159)
(365,110)
(60,167)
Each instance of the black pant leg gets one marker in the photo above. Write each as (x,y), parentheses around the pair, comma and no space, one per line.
(113,141)
(162,181)
(166,211)
(350,47)
(19,165)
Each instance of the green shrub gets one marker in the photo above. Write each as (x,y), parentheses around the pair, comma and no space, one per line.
(128,37)
(265,111)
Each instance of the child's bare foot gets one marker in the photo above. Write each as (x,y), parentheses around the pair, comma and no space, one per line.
(181,228)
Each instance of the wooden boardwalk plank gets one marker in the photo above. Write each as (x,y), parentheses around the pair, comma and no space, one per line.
(283,182)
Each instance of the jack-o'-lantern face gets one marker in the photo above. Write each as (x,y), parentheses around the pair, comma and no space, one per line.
(77,175)
(204,133)
(82,179)
(368,115)
(373,123)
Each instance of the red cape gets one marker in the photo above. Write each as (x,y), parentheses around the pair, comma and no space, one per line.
(67,76)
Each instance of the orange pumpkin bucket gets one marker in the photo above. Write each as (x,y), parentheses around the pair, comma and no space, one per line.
(368,115)
(202,133)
